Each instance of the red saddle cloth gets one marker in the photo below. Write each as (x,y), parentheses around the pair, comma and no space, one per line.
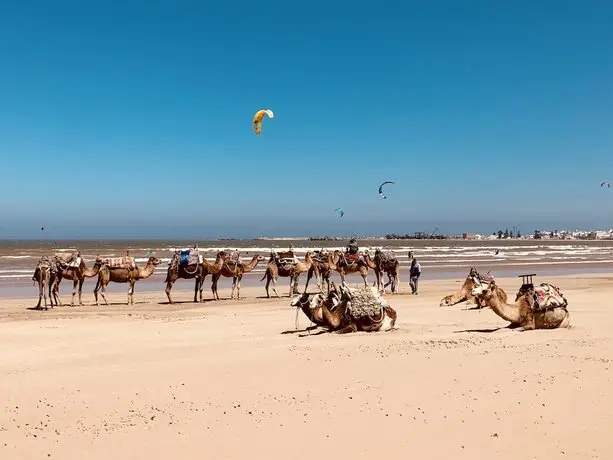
(352,257)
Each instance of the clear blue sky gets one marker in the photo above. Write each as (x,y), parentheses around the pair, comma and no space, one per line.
(133,118)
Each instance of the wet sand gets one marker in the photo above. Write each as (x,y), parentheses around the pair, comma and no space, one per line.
(230,380)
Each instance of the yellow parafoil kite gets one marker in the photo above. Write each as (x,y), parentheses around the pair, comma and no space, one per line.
(257,120)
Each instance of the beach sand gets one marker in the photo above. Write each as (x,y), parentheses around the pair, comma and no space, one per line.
(221,380)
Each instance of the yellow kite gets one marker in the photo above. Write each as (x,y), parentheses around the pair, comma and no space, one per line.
(257,120)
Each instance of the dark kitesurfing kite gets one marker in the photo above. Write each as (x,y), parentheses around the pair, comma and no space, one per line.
(605,182)
(381,188)
(340,211)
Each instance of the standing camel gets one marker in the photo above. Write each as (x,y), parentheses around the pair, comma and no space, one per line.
(44,275)
(234,270)
(77,275)
(321,269)
(291,271)
(124,275)
(199,272)
(386,262)
(344,270)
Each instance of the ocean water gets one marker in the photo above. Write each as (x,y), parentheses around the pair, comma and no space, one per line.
(438,258)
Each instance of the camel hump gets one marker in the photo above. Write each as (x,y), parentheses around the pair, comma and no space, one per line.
(231,256)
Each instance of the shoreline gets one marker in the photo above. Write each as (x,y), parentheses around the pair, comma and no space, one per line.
(24,289)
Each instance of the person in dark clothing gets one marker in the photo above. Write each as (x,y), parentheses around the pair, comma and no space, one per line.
(414,273)
(352,247)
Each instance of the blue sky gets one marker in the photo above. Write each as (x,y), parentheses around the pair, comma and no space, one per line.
(133,118)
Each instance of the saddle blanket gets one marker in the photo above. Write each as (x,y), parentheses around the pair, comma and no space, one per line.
(231,256)
(68,259)
(190,257)
(548,296)
(120,262)
(288,261)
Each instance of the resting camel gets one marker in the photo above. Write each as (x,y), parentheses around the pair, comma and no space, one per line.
(291,271)
(321,268)
(77,275)
(200,272)
(465,292)
(344,270)
(334,312)
(525,314)
(44,275)
(234,270)
(124,275)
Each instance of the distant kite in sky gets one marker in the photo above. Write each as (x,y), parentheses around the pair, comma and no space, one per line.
(381,188)
(605,182)
(257,120)
(340,211)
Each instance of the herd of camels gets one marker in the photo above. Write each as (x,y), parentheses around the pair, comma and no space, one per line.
(535,307)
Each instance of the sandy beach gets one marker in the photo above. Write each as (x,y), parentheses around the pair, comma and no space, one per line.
(231,380)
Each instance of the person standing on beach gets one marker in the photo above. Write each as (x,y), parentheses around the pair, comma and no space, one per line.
(414,273)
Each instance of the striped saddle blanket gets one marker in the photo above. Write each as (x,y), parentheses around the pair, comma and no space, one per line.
(547,296)
(120,262)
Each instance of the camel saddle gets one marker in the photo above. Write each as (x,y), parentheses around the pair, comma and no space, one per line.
(190,257)
(548,296)
(120,262)
(320,256)
(348,259)
(64,259)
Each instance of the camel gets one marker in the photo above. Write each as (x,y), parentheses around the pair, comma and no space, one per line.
(527,313)
(291,271)
(234,270)
(176,271)
(339,321)
(465,292)
(76,274)
(344,270)
(124,275)
(45,274)
(321,269)
(385,263)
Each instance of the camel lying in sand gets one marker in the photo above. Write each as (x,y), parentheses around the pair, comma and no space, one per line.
(465,292)
(347,310)
(539,307)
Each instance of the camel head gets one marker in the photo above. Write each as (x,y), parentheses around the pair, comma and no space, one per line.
(154,261)
(446,301)
(482,288)
(311,300)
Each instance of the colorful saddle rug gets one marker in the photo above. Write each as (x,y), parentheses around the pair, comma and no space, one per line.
(547,296)
(190,257)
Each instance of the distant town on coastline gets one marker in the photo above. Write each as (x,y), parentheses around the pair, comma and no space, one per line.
(497,235)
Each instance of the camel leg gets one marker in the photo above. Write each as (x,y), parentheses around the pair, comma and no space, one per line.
(40,290)
(96,289)
(56,290)
(214,287)
(274,287)
(238,286)
(167,290)
(201,285)
(81,281)
(102,291)
(74,291)
(347,329)
(131,292)
(196,285)
(45,295)
(266,286)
